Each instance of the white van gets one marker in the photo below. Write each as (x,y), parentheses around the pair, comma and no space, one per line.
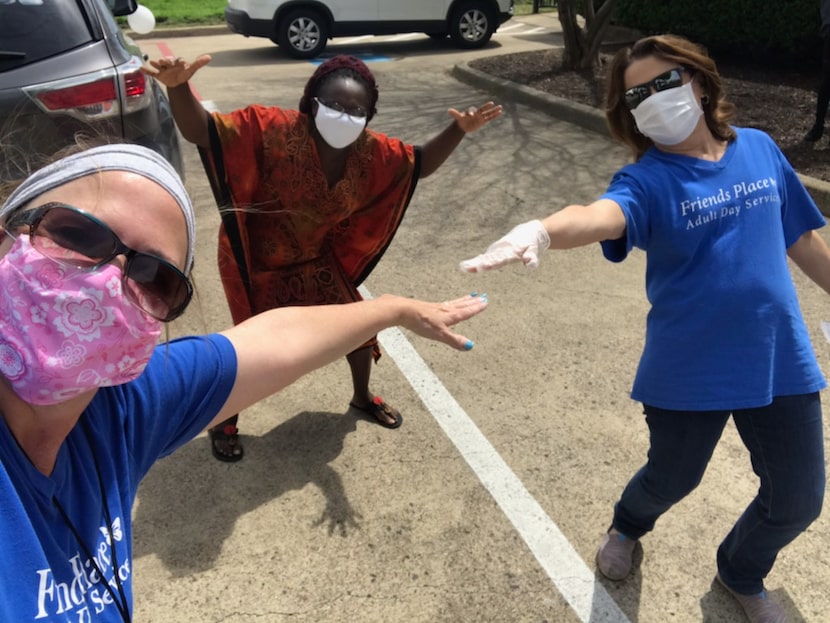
(303,27)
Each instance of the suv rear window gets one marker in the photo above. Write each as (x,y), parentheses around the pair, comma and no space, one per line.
(36,29)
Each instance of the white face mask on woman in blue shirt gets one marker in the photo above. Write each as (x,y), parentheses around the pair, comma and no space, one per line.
(669,117)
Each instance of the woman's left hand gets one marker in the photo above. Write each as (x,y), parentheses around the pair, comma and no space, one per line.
(474,118)
(433,320)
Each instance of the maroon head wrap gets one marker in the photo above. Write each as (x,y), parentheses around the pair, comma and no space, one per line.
(341,65)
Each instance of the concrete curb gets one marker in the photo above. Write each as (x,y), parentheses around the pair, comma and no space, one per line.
(586,116)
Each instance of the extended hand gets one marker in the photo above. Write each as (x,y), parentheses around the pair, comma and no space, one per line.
(433,320)
(172,72)
(522,243)
(474,118)
(339,516)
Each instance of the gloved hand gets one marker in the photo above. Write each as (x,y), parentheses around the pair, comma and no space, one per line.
(524,242)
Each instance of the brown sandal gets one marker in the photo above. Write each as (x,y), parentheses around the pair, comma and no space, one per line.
(377,408)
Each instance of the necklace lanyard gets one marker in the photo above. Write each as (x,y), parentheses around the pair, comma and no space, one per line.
(122,604)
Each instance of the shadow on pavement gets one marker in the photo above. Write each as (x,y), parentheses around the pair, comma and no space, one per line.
(718,606)
(189,502)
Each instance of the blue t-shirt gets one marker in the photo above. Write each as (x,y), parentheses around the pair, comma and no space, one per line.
(725,329)
(44,573)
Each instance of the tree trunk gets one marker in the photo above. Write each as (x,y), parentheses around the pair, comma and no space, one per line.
(582,45)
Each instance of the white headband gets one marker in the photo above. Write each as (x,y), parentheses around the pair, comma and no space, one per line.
(120,157)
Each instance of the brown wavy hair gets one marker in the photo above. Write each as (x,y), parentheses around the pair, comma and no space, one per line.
(716,110)
(18,165)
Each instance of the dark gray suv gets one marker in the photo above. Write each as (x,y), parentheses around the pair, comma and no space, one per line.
(66,67)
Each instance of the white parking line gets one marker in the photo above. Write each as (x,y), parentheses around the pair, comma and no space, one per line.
(570,575)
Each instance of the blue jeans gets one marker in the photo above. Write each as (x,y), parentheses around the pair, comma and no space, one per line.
(786,445)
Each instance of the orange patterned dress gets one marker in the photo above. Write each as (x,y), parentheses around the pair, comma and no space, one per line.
(287,238)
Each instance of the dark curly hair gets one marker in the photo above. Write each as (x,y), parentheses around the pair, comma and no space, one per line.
(716,110)
(342,65)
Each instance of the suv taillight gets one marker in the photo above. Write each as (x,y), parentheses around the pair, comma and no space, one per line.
(97,95)
(135,84)
(92,99)
(138,91)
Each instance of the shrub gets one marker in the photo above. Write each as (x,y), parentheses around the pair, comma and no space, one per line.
(782,30)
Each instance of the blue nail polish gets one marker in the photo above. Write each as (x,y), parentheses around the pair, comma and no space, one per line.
(468,345)
(473,293)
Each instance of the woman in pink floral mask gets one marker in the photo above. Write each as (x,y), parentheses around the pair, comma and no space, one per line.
(88,281)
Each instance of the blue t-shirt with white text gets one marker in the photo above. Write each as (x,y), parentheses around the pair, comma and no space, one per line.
(725,330)
(45,574)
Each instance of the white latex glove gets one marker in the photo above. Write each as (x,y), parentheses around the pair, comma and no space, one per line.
(522,243)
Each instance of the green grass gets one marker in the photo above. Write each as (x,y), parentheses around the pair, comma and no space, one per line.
(187,12)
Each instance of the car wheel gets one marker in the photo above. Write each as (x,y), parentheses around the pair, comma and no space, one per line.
(472,25)
(302,33)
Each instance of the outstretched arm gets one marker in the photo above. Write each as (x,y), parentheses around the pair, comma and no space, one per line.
(811,255)
(190,116)
(436,150)
(573,226)
(277,347)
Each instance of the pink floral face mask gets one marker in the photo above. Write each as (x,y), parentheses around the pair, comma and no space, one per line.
(65,331)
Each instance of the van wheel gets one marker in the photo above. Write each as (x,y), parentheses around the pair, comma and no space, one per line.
(302,33)
(472,25)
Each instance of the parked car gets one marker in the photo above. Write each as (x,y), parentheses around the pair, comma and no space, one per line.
(303,27)
(66,67)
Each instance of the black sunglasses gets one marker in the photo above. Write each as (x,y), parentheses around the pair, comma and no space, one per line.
(352,111)
(72,237)
(671,79)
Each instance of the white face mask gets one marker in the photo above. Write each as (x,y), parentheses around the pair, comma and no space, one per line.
(669,117)
(337,128)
